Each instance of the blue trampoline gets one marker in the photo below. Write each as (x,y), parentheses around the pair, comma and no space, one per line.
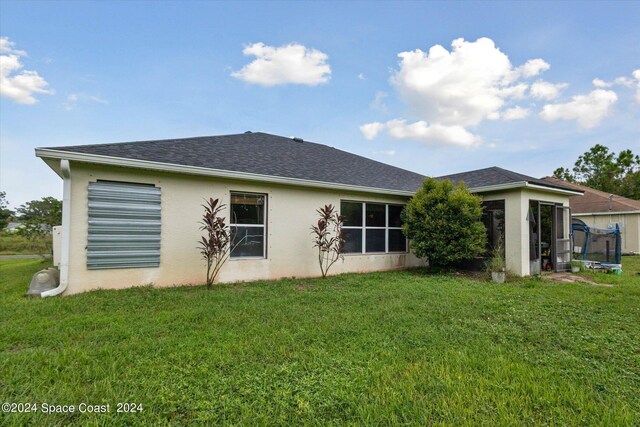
(596,247)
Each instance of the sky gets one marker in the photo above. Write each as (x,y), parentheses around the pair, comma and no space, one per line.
(432,87)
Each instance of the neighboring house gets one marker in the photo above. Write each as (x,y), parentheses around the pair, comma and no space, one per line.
(604,210)
(14,227)
(131,210)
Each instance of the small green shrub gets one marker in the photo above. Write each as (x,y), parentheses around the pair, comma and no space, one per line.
(497,261)
(444,223)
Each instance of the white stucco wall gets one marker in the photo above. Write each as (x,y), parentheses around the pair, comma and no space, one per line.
(517,225)
(629,230)
(291,212)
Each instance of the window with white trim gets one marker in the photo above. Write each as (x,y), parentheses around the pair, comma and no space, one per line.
(247,224)
(372,227)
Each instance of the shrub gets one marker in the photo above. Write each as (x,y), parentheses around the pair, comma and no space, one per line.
(497,261)
(328,237)
(444,223)
(214,247)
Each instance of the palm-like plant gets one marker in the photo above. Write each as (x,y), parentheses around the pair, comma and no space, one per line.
(328,237)
(214,247)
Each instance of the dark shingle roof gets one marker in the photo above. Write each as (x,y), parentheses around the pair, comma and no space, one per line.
(497,176)
(264,154)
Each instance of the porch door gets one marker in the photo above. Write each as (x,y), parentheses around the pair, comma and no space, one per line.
(563,241)
(535,261)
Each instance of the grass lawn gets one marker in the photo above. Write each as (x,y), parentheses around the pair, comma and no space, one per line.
(381,348)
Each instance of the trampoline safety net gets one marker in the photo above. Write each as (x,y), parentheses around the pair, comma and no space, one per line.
(596,244)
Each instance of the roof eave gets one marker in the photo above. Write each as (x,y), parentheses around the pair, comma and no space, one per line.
(46,153)
(523,184)
(605,213)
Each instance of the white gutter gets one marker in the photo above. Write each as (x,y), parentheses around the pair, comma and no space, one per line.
(605,213)
(498,187)
(523,184)
(219,173)
(554,189)
(66,231)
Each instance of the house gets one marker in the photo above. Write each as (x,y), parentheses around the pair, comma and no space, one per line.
(14,227)
(131,210)
(600,209)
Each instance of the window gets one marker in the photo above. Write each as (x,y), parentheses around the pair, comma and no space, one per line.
(247,225)
(124,225)
(372,228)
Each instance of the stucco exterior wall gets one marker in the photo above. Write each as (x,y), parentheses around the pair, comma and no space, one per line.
(630,228)
(517,225)
(290,213)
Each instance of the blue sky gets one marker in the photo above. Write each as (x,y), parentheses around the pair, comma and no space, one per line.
(512,84)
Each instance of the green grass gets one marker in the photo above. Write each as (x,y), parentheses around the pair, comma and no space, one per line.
(630,272)
(382,349)
(15,244)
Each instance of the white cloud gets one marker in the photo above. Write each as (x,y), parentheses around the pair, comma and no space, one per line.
(633,82)
(545,90)
(17,84)
(601,83)
(588,110)
(434,133)
(74,98)
(622,81)
(7,46)
(460,87)
(361,76)
(378,103)
(450,90)
(515,113)
(371,130)
(533,67)
(518,91)
(289,64)
(423,132)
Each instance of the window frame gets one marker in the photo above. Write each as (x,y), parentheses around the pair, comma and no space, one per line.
(263,225)
(364,228)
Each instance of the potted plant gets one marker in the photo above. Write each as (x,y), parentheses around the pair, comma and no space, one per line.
(497,265)
(576,266)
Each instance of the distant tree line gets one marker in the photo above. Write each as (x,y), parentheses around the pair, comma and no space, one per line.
(603,170)
(37,217)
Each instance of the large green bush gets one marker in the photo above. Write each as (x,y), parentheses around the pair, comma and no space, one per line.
(444,224)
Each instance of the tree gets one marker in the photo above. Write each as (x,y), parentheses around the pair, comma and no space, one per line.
(328,237)
(601,169)
(444,223)
(564,174)
(5,212)
(40,216)
(214,247)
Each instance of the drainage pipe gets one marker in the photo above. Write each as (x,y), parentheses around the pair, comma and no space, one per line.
(66,231)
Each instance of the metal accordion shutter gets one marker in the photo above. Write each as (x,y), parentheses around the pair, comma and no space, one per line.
(124,225)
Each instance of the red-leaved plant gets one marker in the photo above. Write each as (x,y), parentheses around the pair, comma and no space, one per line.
(214,247)
(328,237)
